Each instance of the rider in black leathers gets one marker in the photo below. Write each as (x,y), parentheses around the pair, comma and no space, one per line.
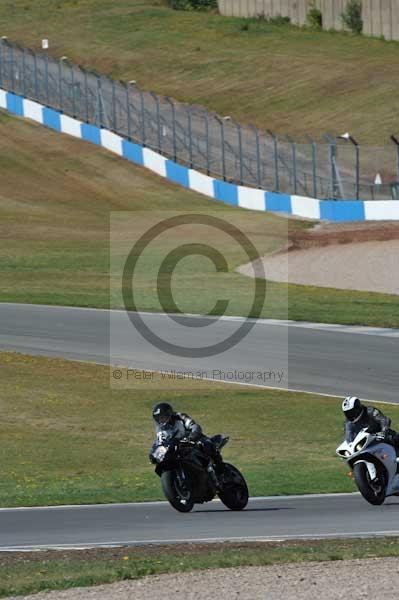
(184,426)
(358,417)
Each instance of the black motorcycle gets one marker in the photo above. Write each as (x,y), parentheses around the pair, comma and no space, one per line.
(188,477)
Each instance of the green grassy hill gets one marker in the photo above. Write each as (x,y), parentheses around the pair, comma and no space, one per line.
(56,198)
(283,78)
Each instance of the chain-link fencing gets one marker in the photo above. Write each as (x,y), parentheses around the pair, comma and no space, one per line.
(338,168)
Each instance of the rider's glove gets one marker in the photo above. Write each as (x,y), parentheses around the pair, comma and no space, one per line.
(381,435)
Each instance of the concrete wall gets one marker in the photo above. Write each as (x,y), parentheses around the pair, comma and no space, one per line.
(331,11)
(380,17)
(296,10)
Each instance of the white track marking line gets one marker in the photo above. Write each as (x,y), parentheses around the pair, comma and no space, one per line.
(165,503)
(332,327)
(248,539)
(253,385)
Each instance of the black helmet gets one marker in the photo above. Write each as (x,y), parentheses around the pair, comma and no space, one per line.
(352,408)
(163,413)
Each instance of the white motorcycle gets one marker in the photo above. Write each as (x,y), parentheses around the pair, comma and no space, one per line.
(374,465)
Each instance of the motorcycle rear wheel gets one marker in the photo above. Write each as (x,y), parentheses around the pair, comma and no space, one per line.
(181,500)
(365,485)
(234,491)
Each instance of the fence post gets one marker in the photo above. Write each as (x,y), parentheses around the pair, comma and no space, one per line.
(396,142)
(114,118)
(73,90)
(102,109)
(357,150)
(190,138)
(60,63)
(23,73)
(12,68)
(314,164)
(221,123)
(129,125)
(47,83)
(333,153)
(349,138)
(169,101)
(208,156)
(294,164)
(36,79)
(86,95)
(158,113)
(357,165)
(1,61)
(258,167)
(240,152)
(275,160)
(99,100)
(142,115)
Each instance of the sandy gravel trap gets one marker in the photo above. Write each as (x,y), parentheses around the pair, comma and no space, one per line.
(368,266)
(362,257)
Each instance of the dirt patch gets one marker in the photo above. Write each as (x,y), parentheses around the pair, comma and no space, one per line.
(344,233)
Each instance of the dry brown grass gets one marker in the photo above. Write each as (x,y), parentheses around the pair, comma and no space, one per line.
(290,80)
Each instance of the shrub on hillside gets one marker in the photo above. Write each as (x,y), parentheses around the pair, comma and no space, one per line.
(314,18)
(193,4)
(279,20)
(352,16)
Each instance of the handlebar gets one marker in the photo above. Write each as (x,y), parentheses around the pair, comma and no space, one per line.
(185,442)
(176,442)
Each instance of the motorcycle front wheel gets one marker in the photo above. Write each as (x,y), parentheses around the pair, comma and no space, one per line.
(178,495)
(234,490)
(374,493)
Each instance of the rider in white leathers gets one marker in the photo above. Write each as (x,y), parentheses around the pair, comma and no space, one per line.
(358,417)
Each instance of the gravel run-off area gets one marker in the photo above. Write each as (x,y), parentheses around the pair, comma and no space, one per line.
(334,580)
(343,257)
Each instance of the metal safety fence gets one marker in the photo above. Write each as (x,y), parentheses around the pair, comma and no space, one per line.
(218,146)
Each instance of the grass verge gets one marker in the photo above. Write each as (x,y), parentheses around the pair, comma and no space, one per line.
(67,438)
(280,77)
(54,224)
(35,572)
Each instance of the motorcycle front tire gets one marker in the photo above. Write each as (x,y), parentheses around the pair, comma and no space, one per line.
(171,491)
(362,479)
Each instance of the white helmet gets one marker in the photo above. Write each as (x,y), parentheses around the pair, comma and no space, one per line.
(352,408)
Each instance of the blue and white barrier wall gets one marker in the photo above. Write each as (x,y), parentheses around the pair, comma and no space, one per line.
(236,195)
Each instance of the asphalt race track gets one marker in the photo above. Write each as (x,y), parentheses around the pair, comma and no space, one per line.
(275,518)
(335,360)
